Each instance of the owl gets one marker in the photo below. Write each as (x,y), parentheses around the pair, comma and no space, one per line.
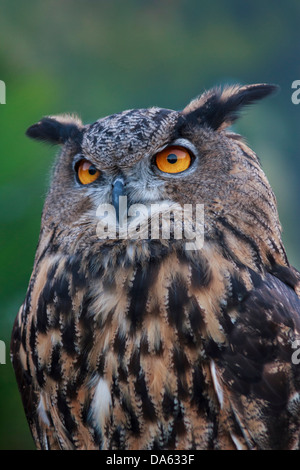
(162,311)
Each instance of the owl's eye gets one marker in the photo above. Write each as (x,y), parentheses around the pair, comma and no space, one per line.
(173,159)
(86,172)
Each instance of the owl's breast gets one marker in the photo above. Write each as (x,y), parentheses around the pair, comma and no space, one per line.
(153,323)
(119,354)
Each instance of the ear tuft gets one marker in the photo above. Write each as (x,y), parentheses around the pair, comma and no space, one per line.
(56,129)
(219,108)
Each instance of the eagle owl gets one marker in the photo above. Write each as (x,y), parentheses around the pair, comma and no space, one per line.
(149,341)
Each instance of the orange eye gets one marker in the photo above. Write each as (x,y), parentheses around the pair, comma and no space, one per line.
(87,172)
(173,160)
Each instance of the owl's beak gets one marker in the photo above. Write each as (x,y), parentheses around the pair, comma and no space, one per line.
(118,190)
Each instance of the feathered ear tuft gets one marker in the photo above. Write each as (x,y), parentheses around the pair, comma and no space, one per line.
(219,108)
(56,129)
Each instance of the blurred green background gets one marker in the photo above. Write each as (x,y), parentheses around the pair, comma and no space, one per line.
(98,57)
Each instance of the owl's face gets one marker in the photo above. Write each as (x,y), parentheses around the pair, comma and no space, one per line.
(155,156)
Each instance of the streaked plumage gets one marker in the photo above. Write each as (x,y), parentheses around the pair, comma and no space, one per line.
(142,344)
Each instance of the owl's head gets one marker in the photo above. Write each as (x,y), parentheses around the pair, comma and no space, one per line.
(159,156)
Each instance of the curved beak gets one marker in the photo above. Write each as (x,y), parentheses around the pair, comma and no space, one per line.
(118,190)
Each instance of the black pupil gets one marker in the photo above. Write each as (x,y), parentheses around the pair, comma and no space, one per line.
(92,170)
(172,158)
